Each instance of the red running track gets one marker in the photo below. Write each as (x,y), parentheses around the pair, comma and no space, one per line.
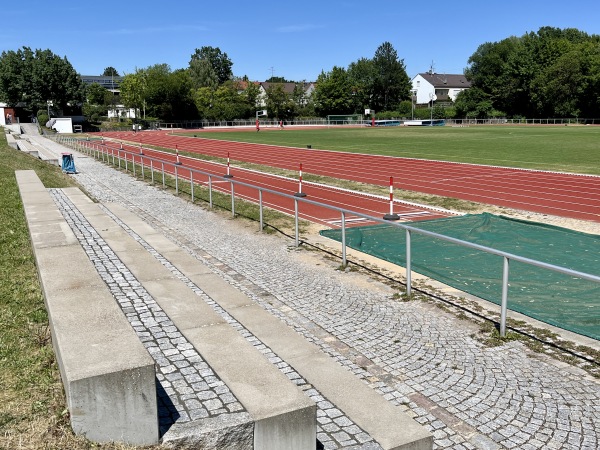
(555,193)
(353,201)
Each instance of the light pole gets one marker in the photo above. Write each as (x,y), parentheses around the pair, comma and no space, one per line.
(432,98)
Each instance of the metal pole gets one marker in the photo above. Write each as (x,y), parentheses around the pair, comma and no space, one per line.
(210,191)
(504,305)
(232,201)
(344,260)
(176,182)
(260,210)
(152,172)
(142,164)
(297,237)
(192,184)
(408,265)
(162,169)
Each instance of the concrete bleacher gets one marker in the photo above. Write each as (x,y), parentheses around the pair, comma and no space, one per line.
(282,416)
(387,424)
(37,151)
(11,141)
(108,375)
(111,394)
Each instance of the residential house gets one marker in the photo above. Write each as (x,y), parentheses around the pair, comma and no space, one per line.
(288,88)
(440,87)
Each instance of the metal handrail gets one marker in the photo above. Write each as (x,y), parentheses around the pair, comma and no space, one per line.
(507,257)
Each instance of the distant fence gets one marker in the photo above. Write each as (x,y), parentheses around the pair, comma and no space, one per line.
(266,123)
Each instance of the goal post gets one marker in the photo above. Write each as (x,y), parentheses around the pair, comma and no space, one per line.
(344,119)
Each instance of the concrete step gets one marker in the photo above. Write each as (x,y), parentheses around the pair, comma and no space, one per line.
(276,414)
(111,394)
(38,151)
(385,423)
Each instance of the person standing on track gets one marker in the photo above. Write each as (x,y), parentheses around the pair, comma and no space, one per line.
(257,125)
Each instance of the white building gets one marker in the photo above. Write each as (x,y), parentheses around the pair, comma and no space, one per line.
(120,111)
(437,86)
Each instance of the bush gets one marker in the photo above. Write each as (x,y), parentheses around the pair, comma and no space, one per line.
(42,118)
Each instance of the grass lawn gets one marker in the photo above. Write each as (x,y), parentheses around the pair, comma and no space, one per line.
(558,148)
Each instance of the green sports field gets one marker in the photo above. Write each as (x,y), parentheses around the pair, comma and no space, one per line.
(558,148)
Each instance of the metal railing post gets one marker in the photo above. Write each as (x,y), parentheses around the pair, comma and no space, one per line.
(408,264)
(192,184)
(232,200)
(297,237)
(344,260)
(162,169)
(152,172)
(176,181)
(210,202)
(504,306)
(260,210)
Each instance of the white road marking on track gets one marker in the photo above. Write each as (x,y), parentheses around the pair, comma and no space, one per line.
(338,222)
(414,214)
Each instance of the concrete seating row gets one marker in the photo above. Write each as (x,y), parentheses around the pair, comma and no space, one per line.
(281,415)
(37,151)
(11,141)
(108,376)
(387,424)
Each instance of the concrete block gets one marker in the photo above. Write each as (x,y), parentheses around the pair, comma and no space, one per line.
(108,376)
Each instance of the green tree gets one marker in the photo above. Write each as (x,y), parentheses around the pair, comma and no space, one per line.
(277,80)
(219,61)
(250,92)
(553,72)
(223,103)
(203,99)
(110,72)
(279,104)
(134,91)
(391,84)
(473,103)
(36,77)
(97,94)
(362,79)
(333,94)
(203,74)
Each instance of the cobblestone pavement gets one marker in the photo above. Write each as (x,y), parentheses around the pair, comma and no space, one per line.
(419,357)
(187,388)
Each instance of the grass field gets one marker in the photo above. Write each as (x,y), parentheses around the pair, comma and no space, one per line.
(557,148)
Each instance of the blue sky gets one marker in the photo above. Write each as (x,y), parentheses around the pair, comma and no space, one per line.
(294,40)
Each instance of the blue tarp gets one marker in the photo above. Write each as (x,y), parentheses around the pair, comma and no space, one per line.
(68,163)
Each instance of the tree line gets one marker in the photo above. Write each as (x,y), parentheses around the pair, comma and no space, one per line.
(549,73)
